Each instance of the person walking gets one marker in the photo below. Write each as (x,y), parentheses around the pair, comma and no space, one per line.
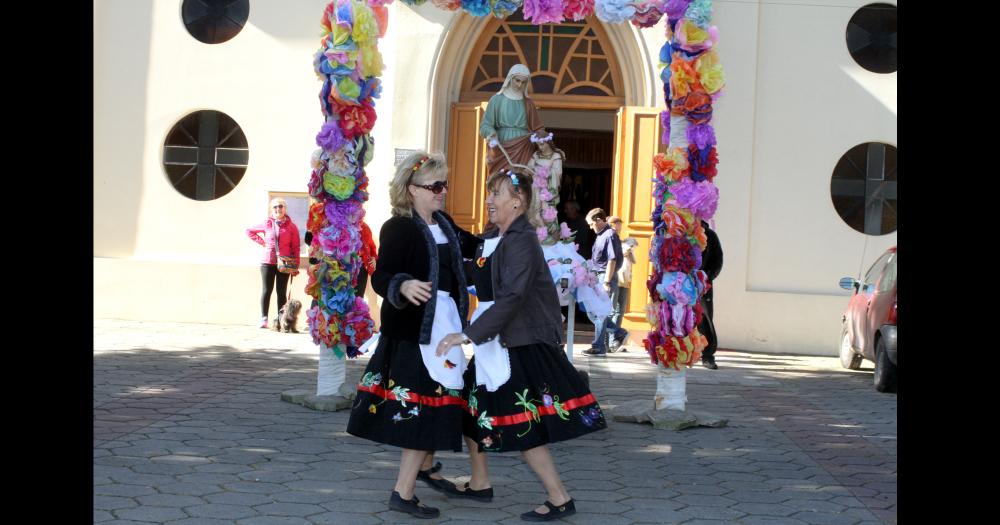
(620,305)
(409,395)
(521,390)
(606,259)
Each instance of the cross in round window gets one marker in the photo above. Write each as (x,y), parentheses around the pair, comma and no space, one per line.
(864,186)
(205,155)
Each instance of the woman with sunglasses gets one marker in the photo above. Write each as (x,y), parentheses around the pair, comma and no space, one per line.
(409,396)
(277,229)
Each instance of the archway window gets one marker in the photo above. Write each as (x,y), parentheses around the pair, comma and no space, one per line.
(572,58)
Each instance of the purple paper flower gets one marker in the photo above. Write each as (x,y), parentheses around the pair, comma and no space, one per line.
(702,198)
(542,233)
(564,232)
(330,137)
(665,123)
(701,135)
(675,8)
(549,214)
(547,400)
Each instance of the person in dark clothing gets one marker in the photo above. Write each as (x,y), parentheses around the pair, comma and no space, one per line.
(711,264)
(409,397)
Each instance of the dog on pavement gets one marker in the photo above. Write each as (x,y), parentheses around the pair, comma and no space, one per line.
(288,317)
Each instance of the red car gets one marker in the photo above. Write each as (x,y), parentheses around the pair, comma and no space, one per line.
(869,323)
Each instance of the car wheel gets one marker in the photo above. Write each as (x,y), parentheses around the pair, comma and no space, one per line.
(885,371)
(848,358)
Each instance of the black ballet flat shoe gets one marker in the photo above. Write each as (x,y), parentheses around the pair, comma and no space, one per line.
(554,513)
(440,485)
(412,507)
(478,495)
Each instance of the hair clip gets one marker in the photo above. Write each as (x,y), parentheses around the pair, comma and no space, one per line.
(513,178)
(419,163)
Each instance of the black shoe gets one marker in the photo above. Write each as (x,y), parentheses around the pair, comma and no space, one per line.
(618,343)
(554,513)
(440,485)
(709,364)
(595,352)
(412,507)
(478,495)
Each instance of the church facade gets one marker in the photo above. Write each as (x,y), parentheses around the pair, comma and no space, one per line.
(797,111)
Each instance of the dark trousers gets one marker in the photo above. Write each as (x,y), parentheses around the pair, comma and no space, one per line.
(707,327)
(269,274)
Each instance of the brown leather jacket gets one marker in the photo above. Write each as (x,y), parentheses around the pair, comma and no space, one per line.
(526,305)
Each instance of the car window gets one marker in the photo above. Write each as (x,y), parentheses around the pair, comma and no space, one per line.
(876,269)
(888,279)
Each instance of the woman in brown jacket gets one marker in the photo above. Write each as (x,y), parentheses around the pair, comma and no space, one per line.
(530,395)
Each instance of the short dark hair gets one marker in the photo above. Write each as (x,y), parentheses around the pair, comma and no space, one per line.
(597,213)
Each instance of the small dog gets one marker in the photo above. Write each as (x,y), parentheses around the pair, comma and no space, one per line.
(288,317)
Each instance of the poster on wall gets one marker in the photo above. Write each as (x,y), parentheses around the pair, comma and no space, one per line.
(298,210)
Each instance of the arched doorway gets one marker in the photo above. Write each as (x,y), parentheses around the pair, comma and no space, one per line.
(577,85)
(586,95)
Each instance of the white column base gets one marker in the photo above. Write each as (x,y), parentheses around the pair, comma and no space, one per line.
(671,388)
(332,372)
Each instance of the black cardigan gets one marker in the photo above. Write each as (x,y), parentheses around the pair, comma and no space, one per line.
(407,250)
(526,305)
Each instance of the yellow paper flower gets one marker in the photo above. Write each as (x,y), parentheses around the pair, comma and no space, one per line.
(710,71)
(365,27)
(340,186)
(692,33)
(371,62)
(340,35)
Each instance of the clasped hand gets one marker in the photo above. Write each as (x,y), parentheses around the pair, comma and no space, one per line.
(449,341)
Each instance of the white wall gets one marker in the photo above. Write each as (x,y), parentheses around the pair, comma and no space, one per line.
(794,102)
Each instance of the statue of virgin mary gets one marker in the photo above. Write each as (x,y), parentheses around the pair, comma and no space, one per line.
(510,120)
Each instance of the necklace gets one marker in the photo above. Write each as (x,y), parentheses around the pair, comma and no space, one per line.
(544,156)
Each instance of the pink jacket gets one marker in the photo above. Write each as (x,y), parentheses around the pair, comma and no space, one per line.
(288,237)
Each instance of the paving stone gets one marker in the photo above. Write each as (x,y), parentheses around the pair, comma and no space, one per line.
(327,403)
(825,518)
(149,513)
(633,411)
(102,515)
(273,520)
(221,511)
(120,489)
(113,503)
(666,419)
(340,518)
(169,500)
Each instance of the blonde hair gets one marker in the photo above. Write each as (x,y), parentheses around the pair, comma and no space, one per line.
(418,166)
(278,200)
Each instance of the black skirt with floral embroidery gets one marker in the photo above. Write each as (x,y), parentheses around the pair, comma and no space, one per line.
(544,401)
(399,404)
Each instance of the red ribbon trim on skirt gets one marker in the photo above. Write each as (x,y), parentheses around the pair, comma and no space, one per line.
(414,398)
(523,417)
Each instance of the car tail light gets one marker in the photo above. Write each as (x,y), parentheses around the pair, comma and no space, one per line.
(891,319)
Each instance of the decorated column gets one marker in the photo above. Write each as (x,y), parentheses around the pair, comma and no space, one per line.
(349,64)
(683,194)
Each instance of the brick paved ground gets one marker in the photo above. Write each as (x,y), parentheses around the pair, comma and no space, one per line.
(189,429)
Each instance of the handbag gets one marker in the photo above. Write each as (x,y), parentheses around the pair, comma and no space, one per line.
(285,264)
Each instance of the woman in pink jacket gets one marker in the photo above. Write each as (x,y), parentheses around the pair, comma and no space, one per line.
(288,244)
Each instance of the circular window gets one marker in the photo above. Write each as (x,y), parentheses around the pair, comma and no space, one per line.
(871,37)
(215,21)
(863,188)
(205,155)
